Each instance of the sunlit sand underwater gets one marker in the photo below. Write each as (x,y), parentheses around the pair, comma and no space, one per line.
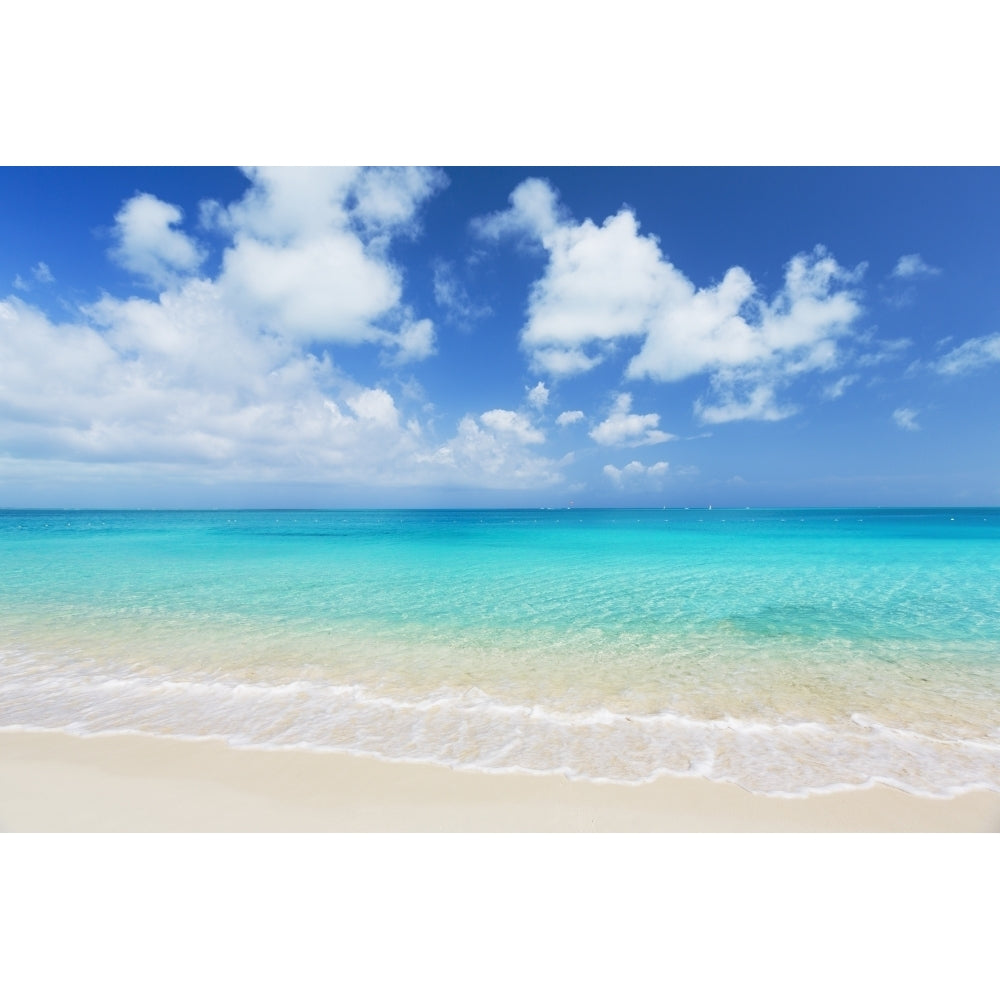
(789,651)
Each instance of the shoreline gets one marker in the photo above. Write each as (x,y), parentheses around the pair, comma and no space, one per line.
(58,782)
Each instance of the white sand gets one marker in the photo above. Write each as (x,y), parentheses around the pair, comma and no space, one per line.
(57,782)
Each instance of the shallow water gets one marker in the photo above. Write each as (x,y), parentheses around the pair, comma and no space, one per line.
(786,650)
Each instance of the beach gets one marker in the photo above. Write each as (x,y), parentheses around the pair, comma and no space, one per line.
(53,782)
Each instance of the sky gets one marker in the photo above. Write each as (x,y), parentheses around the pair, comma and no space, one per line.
(499,336)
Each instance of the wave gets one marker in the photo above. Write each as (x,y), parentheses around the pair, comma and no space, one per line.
(469,728)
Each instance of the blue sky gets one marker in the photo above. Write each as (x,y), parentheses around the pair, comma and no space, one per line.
(499,336)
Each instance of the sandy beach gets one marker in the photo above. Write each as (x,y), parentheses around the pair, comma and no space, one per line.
(53,782)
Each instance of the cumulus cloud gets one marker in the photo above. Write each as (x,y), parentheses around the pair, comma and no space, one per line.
(742,402)
(730,328)
(375,406)
(229,376)
(568,417)
(492,456)
(624,428)
(287,204)
(600,284)
(180,387)
(607,285)
(415,341)
(309,258)
(906,418)
(971,356)
(635,473)
(534,211)
(515,424)
(912,265)
(326,288)
(538,396)
(564,362)
(148,242)
(387,198)
(179,383)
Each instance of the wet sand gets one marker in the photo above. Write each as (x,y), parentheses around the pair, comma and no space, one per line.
(131,783)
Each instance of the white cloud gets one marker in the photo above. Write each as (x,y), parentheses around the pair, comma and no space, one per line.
(486,458)
(414,342)
(562,362)
(326,288)
(538,396)
(736,402)
(515,424)
(285,204)
(623,428)
(912,265)
(906,418)
(970,356)
(600,286)
(149,245)
(836,389)
(40,272)
(729,328)
(308,259)
(453,298)
(375,406)
(607,285)
(534,211)
(222,377)
(181,388)
(568,417)
(180,383)
(635,473)
(388,197)
(881,350)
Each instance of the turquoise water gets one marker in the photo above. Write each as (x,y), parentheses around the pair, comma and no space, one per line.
(789,651)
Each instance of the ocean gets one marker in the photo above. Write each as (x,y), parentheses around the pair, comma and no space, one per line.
(789,651)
